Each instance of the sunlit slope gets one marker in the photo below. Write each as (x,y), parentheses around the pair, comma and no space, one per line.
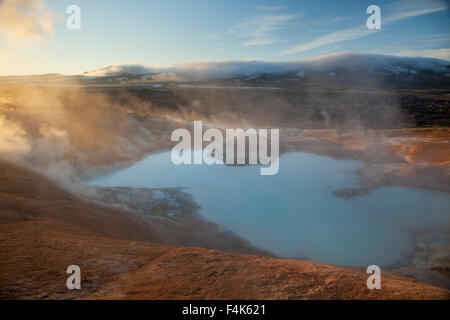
(44,229)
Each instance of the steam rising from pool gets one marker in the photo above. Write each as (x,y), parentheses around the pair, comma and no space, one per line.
(294,214)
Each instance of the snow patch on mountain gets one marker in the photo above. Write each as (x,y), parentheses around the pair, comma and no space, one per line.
(300,74)
(357,62)
(133,69)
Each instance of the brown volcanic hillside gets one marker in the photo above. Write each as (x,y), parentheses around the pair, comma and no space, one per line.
(44,229)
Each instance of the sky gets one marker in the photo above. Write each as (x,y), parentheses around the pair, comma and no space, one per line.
(34,37)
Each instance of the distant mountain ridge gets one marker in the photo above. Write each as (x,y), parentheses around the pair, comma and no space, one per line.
(349,62)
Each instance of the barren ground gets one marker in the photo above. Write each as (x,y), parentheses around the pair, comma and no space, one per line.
(45,229)
(137,248)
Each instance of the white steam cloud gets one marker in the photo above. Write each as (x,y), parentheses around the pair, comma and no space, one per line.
(25,20)
(13,139)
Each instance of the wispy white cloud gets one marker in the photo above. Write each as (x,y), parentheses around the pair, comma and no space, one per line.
(260,30)
(406,9)
(338,36)
(269,8)
(24,24)
(400,10)
(443,53)
(23,21)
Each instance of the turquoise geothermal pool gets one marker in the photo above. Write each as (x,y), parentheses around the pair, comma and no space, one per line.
(294,213)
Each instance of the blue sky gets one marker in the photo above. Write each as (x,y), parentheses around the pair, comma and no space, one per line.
(165,33)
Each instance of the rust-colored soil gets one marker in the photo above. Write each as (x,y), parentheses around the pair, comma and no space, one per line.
(44,229)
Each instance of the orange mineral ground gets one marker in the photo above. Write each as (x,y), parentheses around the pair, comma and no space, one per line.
(44,229)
